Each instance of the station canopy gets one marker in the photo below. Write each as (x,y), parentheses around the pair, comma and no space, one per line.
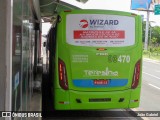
(50,8)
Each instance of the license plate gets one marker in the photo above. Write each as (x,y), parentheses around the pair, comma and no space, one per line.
(100,82)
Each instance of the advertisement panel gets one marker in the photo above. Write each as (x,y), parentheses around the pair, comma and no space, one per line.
(100,30)
(140,4)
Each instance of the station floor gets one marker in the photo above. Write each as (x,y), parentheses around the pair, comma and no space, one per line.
(36,100)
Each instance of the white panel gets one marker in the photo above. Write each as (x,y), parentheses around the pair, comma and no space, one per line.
(100,30)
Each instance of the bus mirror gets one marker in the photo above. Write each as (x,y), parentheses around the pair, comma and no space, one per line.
(44,44)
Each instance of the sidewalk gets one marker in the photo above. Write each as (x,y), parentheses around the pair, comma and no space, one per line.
(151,60)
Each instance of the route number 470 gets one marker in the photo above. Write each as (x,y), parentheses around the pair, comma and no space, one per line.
(124,58)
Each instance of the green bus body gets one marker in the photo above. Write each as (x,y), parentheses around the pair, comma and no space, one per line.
(95,65)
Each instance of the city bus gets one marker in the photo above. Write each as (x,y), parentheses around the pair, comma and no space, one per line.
(96,60)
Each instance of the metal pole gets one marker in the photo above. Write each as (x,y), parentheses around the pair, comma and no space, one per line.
(146,32)
(150,34)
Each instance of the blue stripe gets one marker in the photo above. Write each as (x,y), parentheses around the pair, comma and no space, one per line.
(88,83)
